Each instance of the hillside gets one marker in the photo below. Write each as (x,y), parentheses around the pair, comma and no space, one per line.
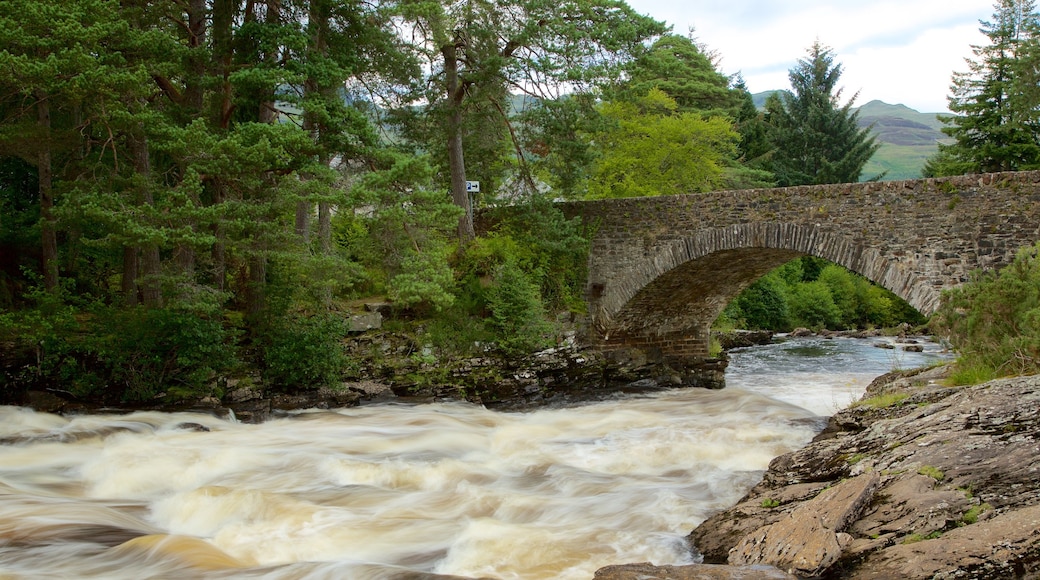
(908,138)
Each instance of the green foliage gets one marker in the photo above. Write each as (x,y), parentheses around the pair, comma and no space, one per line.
(811,292)
(122,355)
(763,305)
(425,278)
(815,139)
(680,69)
(882,401)
(551,248)
(997,103)
(148,352)
(303,352)
(932,472)
(405,230)
(994,320)
(812,306)
(656,150)
(770,503)
(517,314)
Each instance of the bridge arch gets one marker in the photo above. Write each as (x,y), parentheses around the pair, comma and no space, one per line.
(689,281)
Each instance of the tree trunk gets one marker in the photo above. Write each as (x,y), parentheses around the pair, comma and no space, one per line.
(130,271)
(48,229)
(456,160)
(151,265)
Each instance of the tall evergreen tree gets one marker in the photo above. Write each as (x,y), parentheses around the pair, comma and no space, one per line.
(997,101)
(815,138)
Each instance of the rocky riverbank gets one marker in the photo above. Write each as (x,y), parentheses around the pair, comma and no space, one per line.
(395,366)
(917,480)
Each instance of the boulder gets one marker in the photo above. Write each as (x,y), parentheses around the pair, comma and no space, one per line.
(811,538)
(647,571)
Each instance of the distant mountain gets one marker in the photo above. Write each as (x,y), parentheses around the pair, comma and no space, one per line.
(908,138)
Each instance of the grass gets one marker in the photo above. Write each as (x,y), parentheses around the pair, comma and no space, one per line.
(856,458)
(971,374)
(914,538)
(882,401)
(933,472)
(971,516)
(770,503)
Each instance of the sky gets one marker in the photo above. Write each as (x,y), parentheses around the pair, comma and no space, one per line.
(900,52)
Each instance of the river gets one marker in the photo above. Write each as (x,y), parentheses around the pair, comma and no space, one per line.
(373,491)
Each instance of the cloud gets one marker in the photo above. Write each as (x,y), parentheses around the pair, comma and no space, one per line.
(901,52)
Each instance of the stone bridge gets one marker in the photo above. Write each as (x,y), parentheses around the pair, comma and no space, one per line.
(661,269)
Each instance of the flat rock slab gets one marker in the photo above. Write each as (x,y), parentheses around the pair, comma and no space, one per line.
(811,538)
(1005,546)
(647,571)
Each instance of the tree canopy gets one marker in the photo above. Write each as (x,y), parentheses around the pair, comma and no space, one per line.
(997,101)
(815,139)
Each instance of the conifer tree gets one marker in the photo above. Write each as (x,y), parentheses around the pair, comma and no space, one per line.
(815,138)
(997,101)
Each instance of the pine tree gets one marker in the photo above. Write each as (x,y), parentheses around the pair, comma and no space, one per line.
(997,101)
(815,139)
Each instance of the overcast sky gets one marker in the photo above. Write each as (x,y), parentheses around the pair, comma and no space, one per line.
(899,52)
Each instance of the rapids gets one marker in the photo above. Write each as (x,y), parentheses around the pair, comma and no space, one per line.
(374,491)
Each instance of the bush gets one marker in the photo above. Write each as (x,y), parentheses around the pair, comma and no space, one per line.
(122,354)
(763,305)
(148,352)
(303,353)
(813,306)
(994,320)
(517,314)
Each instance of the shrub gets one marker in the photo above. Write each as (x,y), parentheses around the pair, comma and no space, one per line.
(994,320)
(303,352)
(517,314)
(147,352)
(123,354)
(812,306)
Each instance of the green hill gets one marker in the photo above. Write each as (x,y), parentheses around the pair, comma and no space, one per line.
(908,138)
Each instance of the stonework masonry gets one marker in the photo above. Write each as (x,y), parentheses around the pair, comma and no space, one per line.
(661,269)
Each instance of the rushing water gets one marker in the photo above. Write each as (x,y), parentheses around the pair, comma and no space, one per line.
(374,491)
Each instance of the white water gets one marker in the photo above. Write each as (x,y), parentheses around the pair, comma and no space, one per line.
(374,491)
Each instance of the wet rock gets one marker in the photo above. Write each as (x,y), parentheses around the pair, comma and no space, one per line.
(324,398)
(957,492)
(45,401)
(1005,546)
(743,338)
(811,538)
(647,571)
(192,427)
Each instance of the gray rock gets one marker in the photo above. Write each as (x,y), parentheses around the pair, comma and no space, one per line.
(811,538)
(647,571)
(957,492)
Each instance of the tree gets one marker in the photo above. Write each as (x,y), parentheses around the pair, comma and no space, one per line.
(477,49)
(653,150)
(678,67)
(997,101)
(687,73)
(814,138)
